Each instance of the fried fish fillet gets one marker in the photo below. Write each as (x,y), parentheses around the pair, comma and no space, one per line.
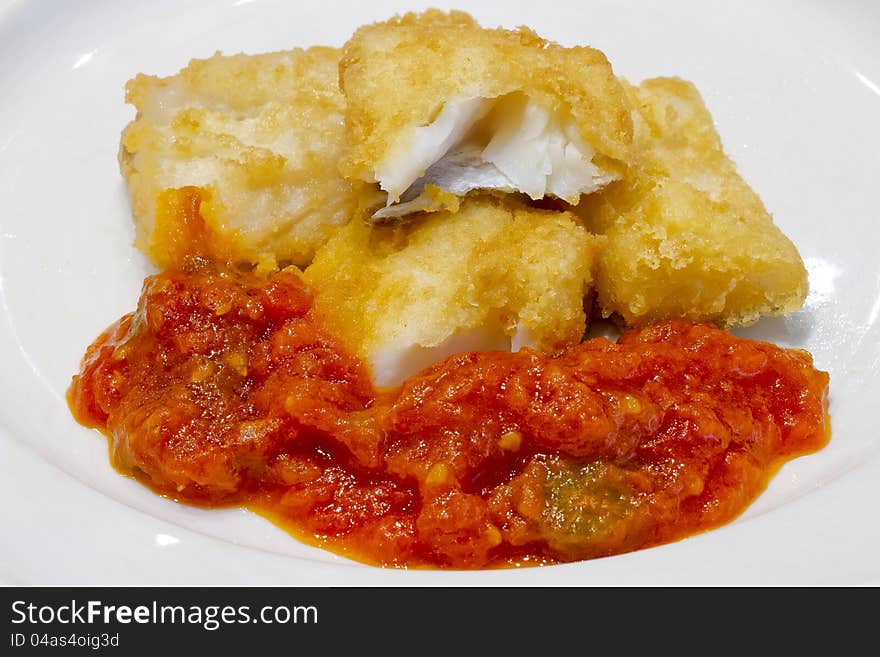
(494,275)
(435,100)
(687,237)
(237,156)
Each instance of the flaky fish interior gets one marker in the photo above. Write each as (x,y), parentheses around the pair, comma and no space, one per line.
(434,101)
(494,275)
(506,144)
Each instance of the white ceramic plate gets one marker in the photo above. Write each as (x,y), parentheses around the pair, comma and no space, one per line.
(794,89)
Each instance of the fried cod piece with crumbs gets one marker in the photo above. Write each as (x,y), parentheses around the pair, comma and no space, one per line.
(436,102)
(493,275)
(687,237)
(237,157)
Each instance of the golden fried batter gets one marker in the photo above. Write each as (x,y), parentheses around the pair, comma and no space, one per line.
(238,158)
(491,276)
(240,152)
(687,237)
(434,99)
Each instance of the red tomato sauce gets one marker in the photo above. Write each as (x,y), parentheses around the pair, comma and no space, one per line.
(226,389)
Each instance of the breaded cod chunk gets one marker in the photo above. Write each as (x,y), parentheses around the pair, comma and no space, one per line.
(237,156)
(436,100)
(687,237)
(494,275)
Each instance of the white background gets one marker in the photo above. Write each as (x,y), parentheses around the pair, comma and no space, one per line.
(795,91)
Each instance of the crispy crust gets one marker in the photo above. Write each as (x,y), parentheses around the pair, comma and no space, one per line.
(396,75)
(445,273)
(257,138)
(687,237)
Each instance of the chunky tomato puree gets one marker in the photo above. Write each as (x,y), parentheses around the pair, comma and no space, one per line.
(224,388)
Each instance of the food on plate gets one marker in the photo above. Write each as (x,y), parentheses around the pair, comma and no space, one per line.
(686,235)
(226,387)
(238,157)
(172,380)
(493,275)
(238,154)
(380,263)
(435,100)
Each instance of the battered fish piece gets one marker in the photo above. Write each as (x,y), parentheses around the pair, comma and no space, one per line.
(436,100)
(687,237)
(236,157)
(491,276)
